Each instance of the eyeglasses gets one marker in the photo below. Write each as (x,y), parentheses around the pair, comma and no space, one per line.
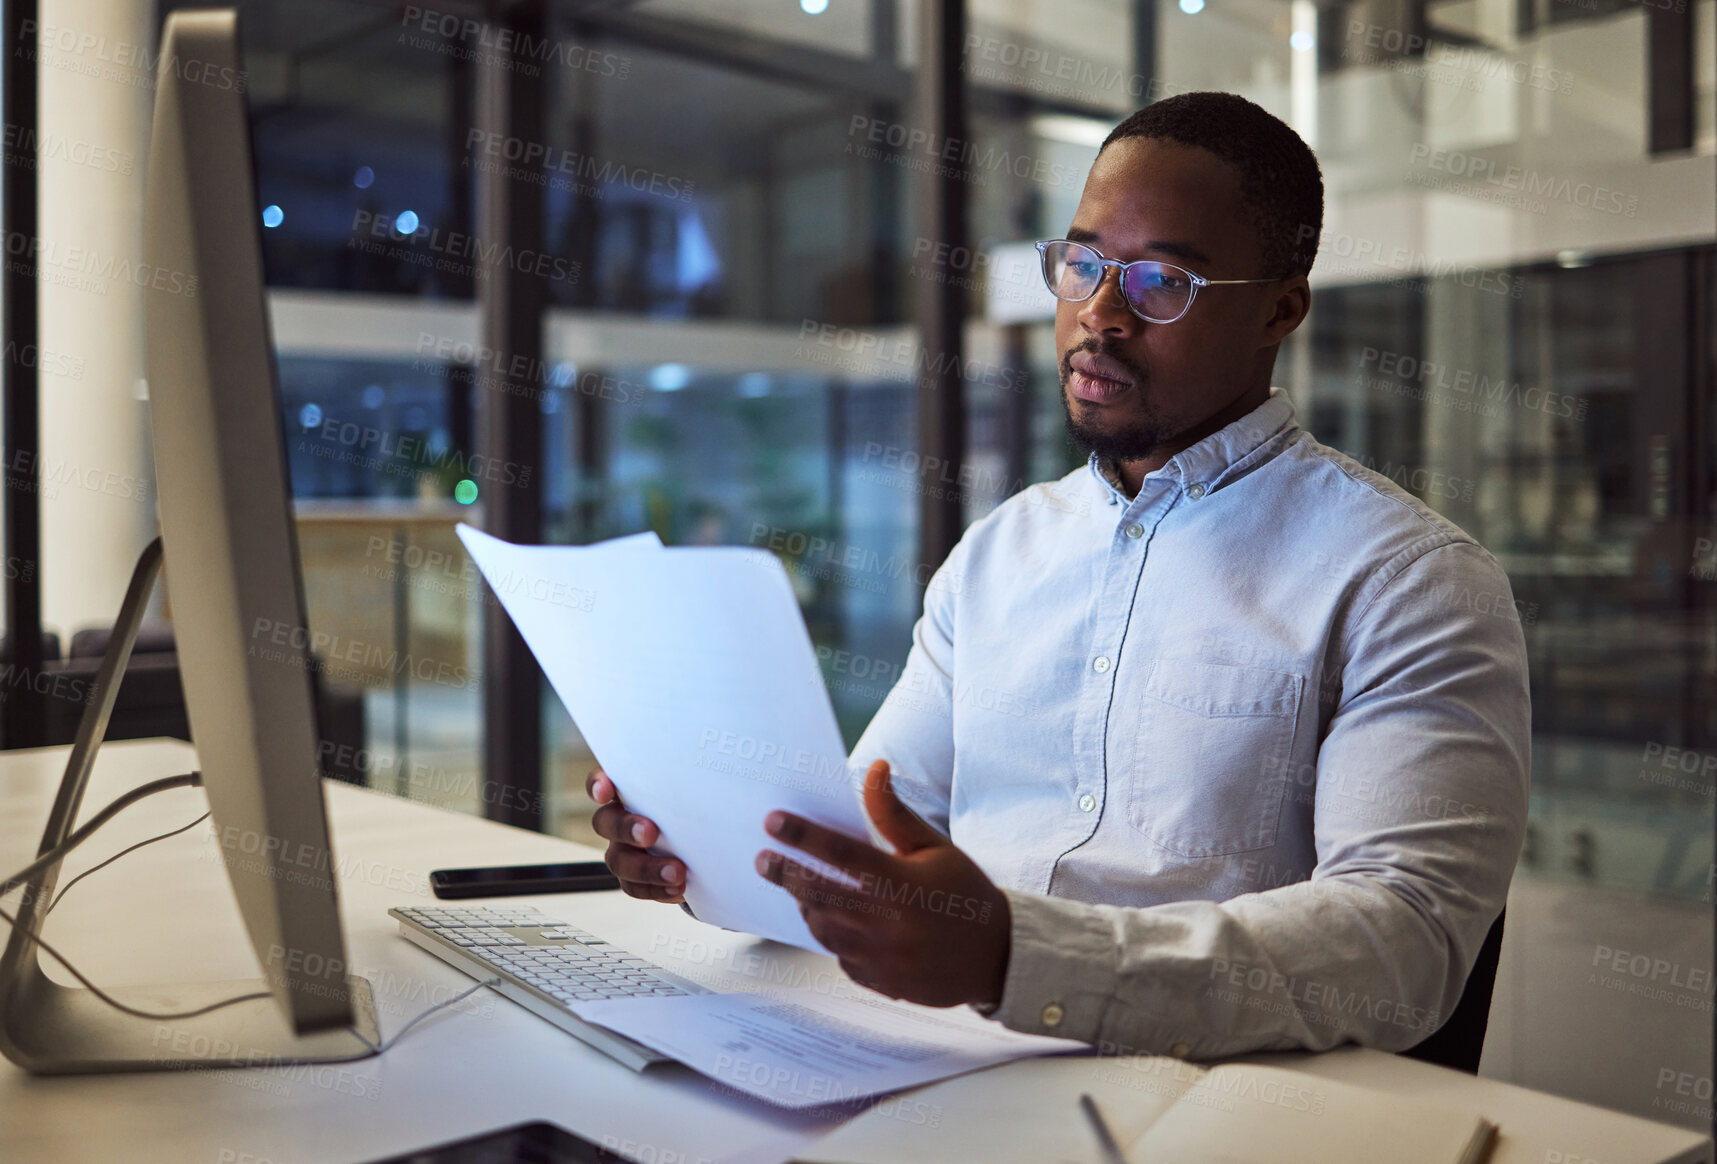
(1157,292)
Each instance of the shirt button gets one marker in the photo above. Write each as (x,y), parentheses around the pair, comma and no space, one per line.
(1052,1015)
(1100,664)
(1195,491)
(1181,1050)
(1135,530)
(1087,802)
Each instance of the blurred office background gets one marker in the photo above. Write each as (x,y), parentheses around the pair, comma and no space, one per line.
(740,229)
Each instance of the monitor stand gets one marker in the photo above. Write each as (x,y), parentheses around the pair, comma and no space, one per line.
(52,1029)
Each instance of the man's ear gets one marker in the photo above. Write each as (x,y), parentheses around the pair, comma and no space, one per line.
(1289,305)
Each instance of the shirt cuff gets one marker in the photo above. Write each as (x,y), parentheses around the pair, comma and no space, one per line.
(1064,980)
(1061,968)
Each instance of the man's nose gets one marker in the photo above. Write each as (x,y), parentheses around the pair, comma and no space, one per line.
(1106,312)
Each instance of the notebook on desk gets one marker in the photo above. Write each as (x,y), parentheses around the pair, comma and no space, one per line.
(1158,1109)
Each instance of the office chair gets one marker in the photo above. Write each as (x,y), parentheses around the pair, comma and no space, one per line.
(1459,1042)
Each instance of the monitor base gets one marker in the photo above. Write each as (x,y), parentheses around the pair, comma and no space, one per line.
(52,1029)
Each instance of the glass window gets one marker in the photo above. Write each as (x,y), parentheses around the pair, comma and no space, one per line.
(1511,318)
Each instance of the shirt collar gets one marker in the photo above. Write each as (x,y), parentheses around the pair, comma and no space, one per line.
(1208,462)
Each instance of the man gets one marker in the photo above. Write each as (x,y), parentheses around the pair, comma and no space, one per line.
(1251,771)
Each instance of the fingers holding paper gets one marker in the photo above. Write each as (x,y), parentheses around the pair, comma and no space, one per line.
(642,874)
(923,923)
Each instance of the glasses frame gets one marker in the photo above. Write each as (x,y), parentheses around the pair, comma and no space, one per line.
(1198,281)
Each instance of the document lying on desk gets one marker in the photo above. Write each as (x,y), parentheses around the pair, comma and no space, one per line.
(691,675)
(804,1048)
(1160,1110)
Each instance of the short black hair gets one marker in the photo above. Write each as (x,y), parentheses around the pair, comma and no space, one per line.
(1281,186)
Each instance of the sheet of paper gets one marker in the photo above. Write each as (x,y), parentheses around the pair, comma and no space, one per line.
(691,675)
(1245,1111)
(803,1048)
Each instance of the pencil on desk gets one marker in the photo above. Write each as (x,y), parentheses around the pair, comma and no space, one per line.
(1105,1138)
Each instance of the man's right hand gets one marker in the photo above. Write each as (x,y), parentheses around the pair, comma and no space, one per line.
(641,874)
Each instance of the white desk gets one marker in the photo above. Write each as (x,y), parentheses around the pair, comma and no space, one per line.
(164,913)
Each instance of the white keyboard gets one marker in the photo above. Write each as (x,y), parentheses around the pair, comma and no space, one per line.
(544,965)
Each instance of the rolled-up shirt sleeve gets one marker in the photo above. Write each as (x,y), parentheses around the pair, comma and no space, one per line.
(1420,810)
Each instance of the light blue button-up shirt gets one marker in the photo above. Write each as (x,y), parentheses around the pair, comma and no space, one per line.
(1248,752)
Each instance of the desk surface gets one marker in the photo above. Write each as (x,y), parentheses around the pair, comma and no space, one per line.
(165,914)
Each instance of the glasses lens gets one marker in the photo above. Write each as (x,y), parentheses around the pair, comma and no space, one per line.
(1071,271)
(1158,291)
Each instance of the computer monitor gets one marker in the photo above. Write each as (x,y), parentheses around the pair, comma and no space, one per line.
(231,558)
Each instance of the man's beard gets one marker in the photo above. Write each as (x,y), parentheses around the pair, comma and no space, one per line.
(1145,430)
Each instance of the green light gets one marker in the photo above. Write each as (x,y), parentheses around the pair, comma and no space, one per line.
(465,492)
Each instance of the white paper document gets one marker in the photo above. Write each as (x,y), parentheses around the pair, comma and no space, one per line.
(691,675)
(802,1048)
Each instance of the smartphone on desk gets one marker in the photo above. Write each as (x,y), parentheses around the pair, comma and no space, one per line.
(517,880)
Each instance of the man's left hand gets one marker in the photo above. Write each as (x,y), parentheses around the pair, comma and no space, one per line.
(923,924)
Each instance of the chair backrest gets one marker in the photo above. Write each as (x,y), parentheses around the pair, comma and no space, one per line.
(50,646)
(1459,1042)
(153,638)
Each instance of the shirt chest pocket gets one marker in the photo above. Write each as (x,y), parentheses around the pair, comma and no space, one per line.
(1206,742)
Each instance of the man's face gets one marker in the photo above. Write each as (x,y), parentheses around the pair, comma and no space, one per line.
(1131,386)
